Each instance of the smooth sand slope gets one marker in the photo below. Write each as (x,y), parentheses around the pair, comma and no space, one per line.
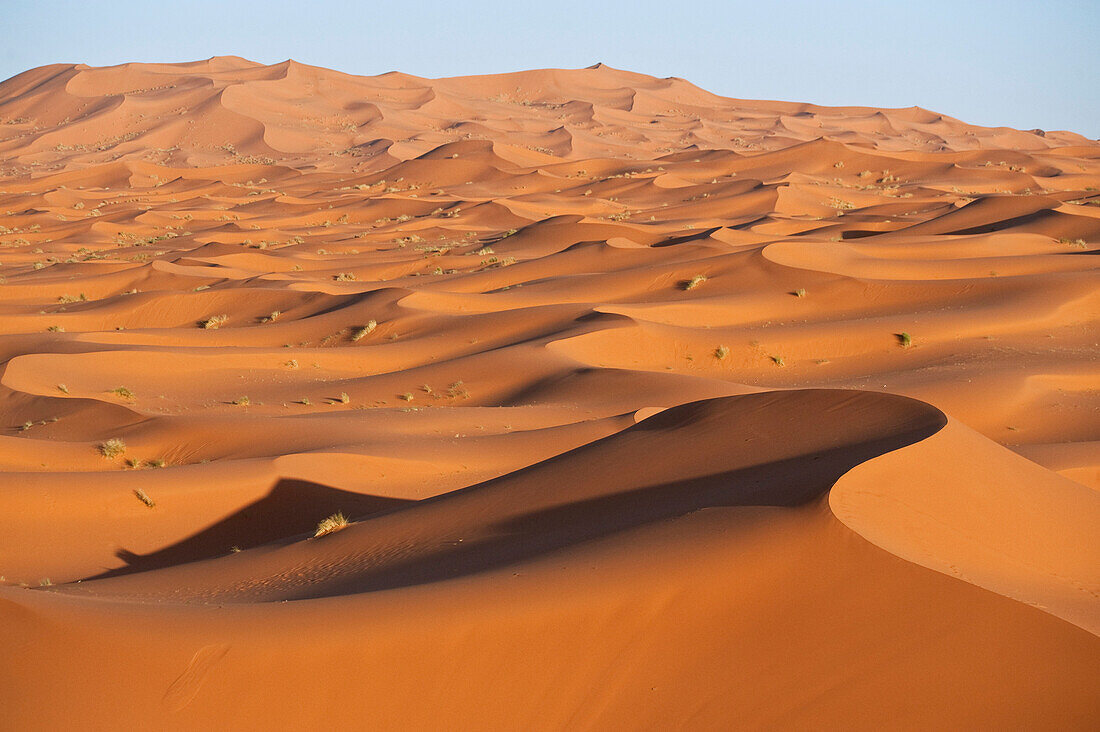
(648,408)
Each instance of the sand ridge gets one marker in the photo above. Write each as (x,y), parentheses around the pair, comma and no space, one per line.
(649,408)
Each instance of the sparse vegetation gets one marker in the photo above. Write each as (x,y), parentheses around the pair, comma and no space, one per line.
(800,292)
(112,448)
(1074,242)
(144,498)
(721,352)
(695,282)
(362,332)
(778,361)
(904,339)
(333,523)
(407,396)
(344,276)
(123,393)
(214,322)
(344,398)
(243,401)
(63,389)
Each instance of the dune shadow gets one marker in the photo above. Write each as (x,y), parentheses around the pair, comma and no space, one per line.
(527,535)
(292,507)
(695,236)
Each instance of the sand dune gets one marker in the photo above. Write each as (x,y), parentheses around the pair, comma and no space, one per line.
(648,408)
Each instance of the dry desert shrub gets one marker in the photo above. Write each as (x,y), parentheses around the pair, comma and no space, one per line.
(695,282)
(213,322)
(362,332)
(112,448)
(335,522)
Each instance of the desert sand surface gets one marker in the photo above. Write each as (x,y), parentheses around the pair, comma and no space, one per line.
(646,408)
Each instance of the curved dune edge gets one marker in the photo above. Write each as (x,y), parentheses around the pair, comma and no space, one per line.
(962,505)
(761,449)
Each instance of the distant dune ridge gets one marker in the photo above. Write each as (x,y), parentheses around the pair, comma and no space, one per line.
(548,400)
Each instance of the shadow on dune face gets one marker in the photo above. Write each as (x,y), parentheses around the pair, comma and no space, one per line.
(291,508)
(786,483)
(779,448)
(739,451)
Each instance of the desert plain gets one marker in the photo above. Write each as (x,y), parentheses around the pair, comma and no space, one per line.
(561,399)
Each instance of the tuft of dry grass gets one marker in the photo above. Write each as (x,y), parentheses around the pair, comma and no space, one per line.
(333,523)
(695,282)
(407,396)
(112,448)
(778,361)
(123,393)
(243,401)
(144,498)
(344,276)
(800,292)
(721,352)
(362,332)
(904,339)
(344,398)
(214,322)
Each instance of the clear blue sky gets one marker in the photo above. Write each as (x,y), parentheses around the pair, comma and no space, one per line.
(1025,64)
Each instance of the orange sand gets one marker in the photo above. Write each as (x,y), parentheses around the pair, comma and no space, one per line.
(649,408)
